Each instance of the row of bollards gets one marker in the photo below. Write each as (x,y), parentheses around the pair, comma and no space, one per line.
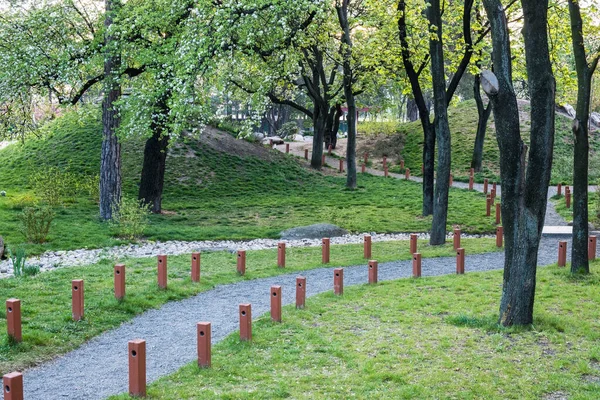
(562,250)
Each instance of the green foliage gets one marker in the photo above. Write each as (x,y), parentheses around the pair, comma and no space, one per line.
(22,200)
(371,128)
(288,130)
(90,184)
(53,185)
(130,218)
(596,204)
(36,222)
(18,261)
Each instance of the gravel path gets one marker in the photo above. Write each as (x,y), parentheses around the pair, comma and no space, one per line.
(99,368)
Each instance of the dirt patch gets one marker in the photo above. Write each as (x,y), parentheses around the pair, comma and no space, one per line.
(556,396)
(225,143)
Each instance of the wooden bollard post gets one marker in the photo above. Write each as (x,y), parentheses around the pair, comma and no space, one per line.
(456,238)
(196,267)
(300,292)
(384,162)
(276,303)
(13,320)
(366,158)
(488,205)
(559,189)
(493,192)
(413,243)
(485,186)
(401,164)
(363,168)
(562,253)
(498,212)
(246,322)
(329,150)
(416,265)
(13,386)
(373,276)
(338,281)
(287,148)
(306,154)
(341,165)
(204,346)
(367,247)
(77,299)
(281,255)
(568,198)
(407,174)
(472,172)
(592,247)
(241,262)
(119,273)
(323,160)
(325,250)
(162,272)
(137,367)
(451,180)
(499,236)
(470,182)
(385,172)
(460,261)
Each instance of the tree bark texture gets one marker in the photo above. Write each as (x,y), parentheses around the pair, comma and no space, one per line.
(483,114)
(524,189)
(110,164)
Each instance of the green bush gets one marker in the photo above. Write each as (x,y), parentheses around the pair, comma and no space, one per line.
(289,129)
(90,185)
(20,201)
(36,223)
(130,218)
(53,186)
(377,128)
(18,261)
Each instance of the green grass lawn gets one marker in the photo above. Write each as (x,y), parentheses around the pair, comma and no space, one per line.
(428,338)
(46,298)
(210,194)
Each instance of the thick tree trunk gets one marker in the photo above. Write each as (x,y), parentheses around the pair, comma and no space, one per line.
(412,111)
(319,116)
(483,117)
(524,189)
(442,129)
(110,164)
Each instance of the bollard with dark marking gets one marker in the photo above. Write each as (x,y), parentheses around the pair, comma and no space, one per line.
(276,303)
(470,182)
(306,154)
(485,186)
(456,238)
(162,272)
(568,198)
(498,212)
(488,205)
(245,322)
(499,236)
(367,247)
(13,386)
(562,253)
(119,272)
(77,299)
(281,255)
(137,367)
(407,174)
(363,168)
(460,261)
(13,320)
(341,165)
(416,265)
(300,292)
(451,180)
(196,267)
(338,281)
(592,247)
(241,262)
(373,276)
(413,243)
(325,250)
(287,148)
(203,330)
(559,189)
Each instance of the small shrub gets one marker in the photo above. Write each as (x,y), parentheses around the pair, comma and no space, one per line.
(130,218)
(36,223)
(53,185)
(18,261)
(90,185)
(21,201)
(377,128)
(289,129)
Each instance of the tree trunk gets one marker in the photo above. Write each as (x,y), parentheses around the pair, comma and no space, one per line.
(483,117)
(110,164)
(524,189)
(412,111)
(442,129)
(319,116)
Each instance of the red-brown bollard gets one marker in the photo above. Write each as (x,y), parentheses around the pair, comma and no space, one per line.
(367,247)
(373,277)
(341,165)
(488,205)
(472,172)
(13,319)
(325,250)
(366,158)
(413,243)
(13,386)
(245,322)
(407,174)
(456,238)
(485,186)
(416,265)
(196,267)
(119,281)
(241,262)
(306,154)
(204,337)
(470,182)
(401,164)
(385,172)
(137,367)
(363,168)
(559,189)
(300,292)
(384,162)
(592,247)
(498,213)
(451,180)
(281,255)
(162,272)
(329,150)
(323,160)
(276,303)
(287,148)
(77,299)
(499,236)
(562,254)
(338,281)
(568,198)
(493,192)
(460,261)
